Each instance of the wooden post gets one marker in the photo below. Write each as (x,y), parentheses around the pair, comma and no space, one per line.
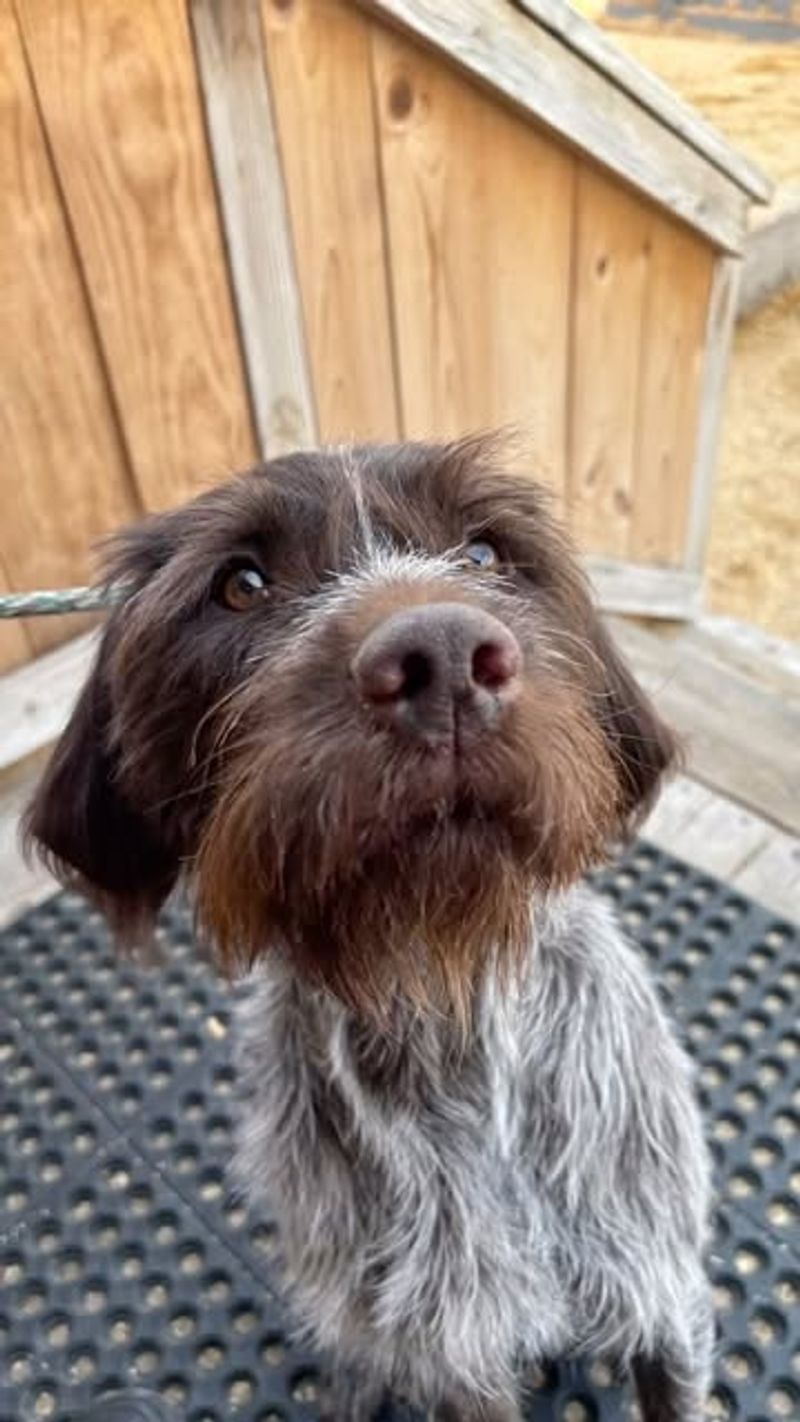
(250,184)
(719,334)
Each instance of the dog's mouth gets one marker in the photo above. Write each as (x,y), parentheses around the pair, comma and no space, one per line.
(448,832)
(464,814)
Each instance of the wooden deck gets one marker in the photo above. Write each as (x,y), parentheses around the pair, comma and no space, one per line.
(732,693)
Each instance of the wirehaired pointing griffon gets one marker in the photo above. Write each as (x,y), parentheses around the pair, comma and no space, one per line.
(360,701)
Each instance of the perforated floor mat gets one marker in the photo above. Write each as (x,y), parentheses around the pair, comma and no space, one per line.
(124,1258)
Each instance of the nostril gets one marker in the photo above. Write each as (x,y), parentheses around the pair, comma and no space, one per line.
(417,674)
(495,664)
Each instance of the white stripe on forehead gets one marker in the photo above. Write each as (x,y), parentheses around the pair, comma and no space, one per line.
(377,560)
(352,475)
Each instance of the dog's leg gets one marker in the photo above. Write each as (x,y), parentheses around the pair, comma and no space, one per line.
(666,1391)
(671,1386)
(476,1409)
(673,1380)
(349,1398)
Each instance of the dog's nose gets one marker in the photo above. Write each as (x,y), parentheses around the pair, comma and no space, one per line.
(427,668)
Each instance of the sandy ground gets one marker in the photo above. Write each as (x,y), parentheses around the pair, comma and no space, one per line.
(754,551)
(751,93)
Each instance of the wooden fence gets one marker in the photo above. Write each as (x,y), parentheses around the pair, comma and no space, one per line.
(453,266)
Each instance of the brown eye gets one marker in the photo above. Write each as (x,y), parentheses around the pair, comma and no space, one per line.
(242,588)
(480,554)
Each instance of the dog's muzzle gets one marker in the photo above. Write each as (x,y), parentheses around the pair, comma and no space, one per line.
(438,673)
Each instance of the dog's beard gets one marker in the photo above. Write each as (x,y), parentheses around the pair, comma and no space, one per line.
(385,870)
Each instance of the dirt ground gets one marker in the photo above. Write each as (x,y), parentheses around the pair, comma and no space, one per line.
(751,93)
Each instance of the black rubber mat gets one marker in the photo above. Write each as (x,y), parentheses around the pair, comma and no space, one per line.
(126,1261)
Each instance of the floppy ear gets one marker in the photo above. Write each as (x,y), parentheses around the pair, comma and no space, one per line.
(642,745)
(83,827)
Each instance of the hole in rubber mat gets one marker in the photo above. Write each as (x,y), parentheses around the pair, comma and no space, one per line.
(127,1261)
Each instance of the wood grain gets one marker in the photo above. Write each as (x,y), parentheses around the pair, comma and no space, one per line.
(671,371)
(741,738)
(638,590)
(705,828)
(37,700)
(118,91)
(773,875)
(479,208)
(611,274)
(21,885)
(319,67)
(550,82)
(232,72)
(15,644)
(64,478)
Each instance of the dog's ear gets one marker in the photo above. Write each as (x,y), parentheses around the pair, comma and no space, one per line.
(81,824)
(643,747)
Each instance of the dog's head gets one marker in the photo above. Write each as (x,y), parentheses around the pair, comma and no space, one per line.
(362,702)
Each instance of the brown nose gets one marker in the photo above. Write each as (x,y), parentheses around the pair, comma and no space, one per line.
(428,669)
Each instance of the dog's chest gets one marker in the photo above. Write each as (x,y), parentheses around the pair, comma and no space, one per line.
(390,1165)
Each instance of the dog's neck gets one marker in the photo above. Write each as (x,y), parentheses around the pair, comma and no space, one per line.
(405,1027)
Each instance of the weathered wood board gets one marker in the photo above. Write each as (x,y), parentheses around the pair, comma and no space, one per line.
(319,71)
(118,92)
(65,474)
(479,213)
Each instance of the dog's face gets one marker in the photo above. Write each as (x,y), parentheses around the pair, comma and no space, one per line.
(362,701)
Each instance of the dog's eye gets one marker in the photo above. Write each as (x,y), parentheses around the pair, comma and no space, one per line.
(480,554)
(242,587)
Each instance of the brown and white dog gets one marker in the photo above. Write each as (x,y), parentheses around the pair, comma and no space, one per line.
(361,702)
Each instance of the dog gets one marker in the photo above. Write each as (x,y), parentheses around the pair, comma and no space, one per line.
(359,700)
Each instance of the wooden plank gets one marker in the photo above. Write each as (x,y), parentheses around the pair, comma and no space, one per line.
(613,237)
(242,132)
(646,592)
(36,701)
(720,838)
(600,51)
(117,87)
(319,68)
(742,740)
(15,646)
(676,807)
(773,876)
(771,260)
(722,305)
(730,647)
(550,83)
(65,472)
(770,661)
(705,829)
(21,885)
(670,392)
(479,211)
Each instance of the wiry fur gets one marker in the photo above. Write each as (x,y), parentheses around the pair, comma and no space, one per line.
(464,1103)
(451,1212)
